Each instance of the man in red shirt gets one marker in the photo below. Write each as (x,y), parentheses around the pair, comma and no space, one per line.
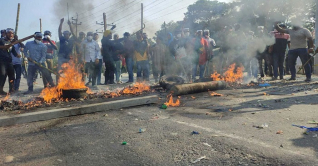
(201,48)
(50,44)
(282,40)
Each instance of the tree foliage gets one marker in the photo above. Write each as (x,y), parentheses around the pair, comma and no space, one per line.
(214,15)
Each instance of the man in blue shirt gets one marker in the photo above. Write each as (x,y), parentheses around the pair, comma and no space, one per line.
(36,51)
(66,46)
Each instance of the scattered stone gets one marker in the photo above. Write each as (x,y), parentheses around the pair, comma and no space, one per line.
(106,115)
(59,160)
(198,159)
(279,132)
(8,159)
(206,144)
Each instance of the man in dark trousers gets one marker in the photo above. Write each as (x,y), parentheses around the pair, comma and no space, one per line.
(51,46)
(298,47)
(6,66)
(129,56)
(279,49)
(36,51)
(66,46)
(107,52)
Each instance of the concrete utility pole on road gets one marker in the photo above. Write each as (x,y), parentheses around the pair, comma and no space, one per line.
(76,23)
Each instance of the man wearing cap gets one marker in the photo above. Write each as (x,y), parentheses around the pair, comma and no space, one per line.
(66,46)
(90,50)
(298,47)
(107,52)
(141,56)
(51,46)
(6,66)
(36,51)
(129,55)
(100,58)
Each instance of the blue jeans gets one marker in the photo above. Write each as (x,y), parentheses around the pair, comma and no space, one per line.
(118,65)
(143,68)
(18,71)
(45,73)
(130,67)
(194,71)
(279,64)
(304,57)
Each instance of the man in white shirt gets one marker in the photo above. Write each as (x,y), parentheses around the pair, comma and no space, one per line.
(100,58)
(299,36)
(90,50)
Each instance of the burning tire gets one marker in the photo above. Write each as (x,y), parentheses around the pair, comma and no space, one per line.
(167,82)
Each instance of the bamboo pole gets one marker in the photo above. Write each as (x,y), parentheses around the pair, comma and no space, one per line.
(17,21)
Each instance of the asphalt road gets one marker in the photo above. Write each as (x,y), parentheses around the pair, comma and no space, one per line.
(227,126)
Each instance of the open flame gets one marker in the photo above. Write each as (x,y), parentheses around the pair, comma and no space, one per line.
(233,74)
(137,88)
(70,78)
(171,103)
(7,97)
(215,94)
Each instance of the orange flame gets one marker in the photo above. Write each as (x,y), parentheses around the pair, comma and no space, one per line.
(171,103)
(215,94)
(230,75)
(70,78)
(136,88)
(7,97)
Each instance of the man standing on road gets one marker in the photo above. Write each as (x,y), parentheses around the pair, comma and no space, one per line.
(279,49)
(201,47)
(6,66)
(16,61)
(141,56)
(100,58)
(36,51)
(51,46)
(129,55)
(298,47)
(107,52)
(118,50)
(66,46)
(91,51)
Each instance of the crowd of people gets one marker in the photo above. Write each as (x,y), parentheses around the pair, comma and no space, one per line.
(178,53)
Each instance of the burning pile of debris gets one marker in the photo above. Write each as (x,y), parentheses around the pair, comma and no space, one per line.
(8,104)
(70,87)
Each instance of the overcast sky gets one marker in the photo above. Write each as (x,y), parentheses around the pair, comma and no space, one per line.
(155,13)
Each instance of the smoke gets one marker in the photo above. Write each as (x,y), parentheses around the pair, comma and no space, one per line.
(81,7)
(242,46)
